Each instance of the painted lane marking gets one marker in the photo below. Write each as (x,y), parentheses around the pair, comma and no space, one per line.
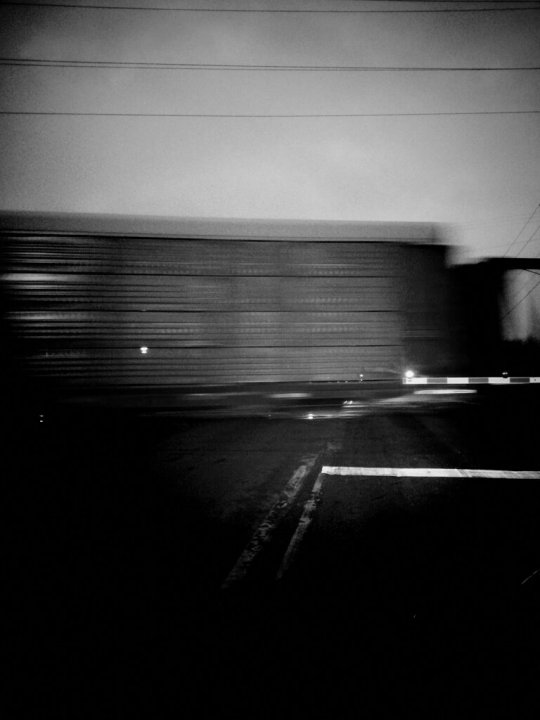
(530,577)
(444,391)
(303,524)
(316,493)
(264,532)
(431,472)
(291,395)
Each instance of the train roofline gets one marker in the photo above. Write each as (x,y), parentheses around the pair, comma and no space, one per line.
(211,228)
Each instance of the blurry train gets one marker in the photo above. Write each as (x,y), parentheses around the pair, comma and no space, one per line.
(110,303)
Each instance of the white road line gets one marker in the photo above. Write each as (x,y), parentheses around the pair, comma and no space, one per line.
(431,472)
(530,577)
(303,524)
(264,532)
(291,395)
(444,391)
(316,493)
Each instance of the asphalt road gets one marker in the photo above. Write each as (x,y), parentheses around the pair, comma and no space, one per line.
(201,566)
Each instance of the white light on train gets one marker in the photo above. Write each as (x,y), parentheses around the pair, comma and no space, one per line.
(144,350)
(409,374)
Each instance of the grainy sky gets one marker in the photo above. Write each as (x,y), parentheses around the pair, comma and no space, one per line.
(478,173)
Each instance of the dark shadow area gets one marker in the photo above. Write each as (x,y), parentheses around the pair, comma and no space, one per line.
(114,576)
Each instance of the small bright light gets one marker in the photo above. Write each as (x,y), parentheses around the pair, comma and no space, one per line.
(144,350)
(310,416)
(409,374)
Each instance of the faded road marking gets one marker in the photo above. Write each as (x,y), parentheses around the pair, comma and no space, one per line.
(316,493)
(432,472)
(291,395)
(303,524)
(264,532)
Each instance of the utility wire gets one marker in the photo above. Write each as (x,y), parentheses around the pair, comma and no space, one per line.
(518,289)
(460,2)
(136,8)
(135,65)
(261,115)
(522,299)
(521,231)
(528,241)
(452,2)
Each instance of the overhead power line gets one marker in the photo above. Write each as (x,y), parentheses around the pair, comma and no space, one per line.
(523,286)
(514,241)
(460,2)
(136,65)
(522,299)
(528,241)
(276,11)
(267,115)
(518,290)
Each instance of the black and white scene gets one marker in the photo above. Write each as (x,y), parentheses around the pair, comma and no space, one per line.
(270,359)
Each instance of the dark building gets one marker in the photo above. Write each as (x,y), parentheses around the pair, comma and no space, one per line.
(489,315)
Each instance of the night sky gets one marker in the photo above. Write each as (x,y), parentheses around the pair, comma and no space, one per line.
(480,174)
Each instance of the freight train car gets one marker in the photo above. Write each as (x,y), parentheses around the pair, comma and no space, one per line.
(113,302)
